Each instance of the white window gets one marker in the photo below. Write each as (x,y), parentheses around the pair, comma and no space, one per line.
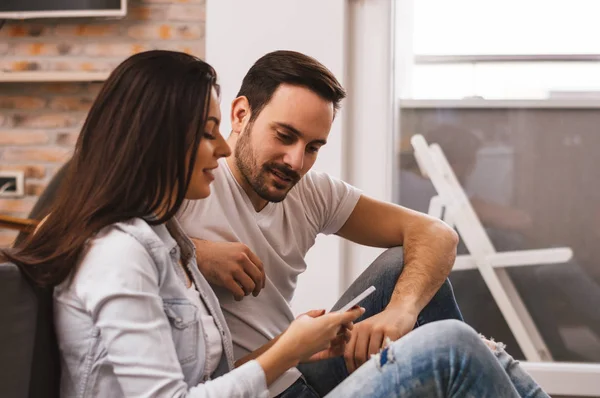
(511,49)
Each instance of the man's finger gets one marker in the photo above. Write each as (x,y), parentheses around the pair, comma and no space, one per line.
(245,281)
(361,349)
(231,285)
(347,335)
(349,353)
(338,344)
(338,340)
(259,265)
(375,343)
(344,331)
(254,272)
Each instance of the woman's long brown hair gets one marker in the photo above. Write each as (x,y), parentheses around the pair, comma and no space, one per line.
(134,158)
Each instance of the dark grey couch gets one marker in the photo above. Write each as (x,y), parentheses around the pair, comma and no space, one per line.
(29,360)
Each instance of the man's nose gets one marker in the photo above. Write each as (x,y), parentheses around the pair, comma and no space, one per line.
(294,158)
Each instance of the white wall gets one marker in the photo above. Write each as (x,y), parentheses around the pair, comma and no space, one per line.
(369,162)
(238,32)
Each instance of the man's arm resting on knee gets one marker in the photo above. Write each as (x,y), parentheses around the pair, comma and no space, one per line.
(429,252)
(429,246)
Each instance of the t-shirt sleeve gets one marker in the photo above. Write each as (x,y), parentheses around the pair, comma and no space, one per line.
(328,201)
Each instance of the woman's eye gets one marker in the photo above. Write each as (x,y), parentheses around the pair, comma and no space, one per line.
(209,136)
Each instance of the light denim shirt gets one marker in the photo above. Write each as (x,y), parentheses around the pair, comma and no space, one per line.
(126,329)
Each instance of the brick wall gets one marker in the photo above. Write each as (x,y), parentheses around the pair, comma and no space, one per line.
(39,122)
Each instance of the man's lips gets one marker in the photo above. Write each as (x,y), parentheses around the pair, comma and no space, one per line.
(281,176)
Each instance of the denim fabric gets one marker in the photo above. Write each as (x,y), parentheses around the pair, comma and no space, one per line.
(383,273)
(126,328)
(440,359)
(300,389)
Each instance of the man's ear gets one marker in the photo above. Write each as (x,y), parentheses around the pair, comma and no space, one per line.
(240,114)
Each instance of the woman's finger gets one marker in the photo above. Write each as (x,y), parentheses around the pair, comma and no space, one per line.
(351,315)
(314,313)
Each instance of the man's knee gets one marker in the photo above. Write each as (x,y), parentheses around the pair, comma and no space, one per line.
(446,289)
(384,272)
(390,263)
(451,333)
(438,339)
(456,332)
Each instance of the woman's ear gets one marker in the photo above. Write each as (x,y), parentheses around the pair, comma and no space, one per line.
(240,114)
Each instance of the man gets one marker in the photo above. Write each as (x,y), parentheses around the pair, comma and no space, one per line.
(267,207)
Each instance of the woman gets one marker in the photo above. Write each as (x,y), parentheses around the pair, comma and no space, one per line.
(133,315)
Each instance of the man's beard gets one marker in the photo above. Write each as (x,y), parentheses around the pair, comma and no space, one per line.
(258,176)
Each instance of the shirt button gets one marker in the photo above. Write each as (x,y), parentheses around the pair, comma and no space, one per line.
(173,251)
(178,319)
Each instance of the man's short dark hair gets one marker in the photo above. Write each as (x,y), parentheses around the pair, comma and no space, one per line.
(288,67)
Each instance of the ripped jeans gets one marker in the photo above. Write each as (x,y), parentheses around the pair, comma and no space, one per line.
(323,376)
(440,359)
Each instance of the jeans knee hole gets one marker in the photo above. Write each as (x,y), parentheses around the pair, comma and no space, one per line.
(495,346)
(384,357)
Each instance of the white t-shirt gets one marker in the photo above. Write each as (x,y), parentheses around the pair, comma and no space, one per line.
(280,235)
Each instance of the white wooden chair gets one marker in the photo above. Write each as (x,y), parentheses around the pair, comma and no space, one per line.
(453,206)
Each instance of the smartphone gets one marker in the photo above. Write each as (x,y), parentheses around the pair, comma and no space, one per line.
(357,299)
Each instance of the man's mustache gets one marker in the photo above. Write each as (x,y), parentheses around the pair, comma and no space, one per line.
(291,174)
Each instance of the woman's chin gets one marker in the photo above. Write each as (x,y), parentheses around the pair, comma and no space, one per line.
(199,193)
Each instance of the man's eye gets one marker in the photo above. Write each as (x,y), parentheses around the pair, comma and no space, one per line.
(286,139)
(313,149)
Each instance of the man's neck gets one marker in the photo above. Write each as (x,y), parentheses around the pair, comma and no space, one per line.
(257,202)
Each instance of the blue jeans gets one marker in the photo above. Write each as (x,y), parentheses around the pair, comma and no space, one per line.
(383,273)
(441,359)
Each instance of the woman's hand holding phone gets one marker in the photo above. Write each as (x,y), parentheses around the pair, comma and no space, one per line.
(310,337)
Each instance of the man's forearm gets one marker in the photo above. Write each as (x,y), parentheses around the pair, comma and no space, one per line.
(429,254)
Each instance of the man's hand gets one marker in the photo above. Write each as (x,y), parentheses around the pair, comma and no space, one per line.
(231,265)
(369,336)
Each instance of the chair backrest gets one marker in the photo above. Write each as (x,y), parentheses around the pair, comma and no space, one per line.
(46,199)
(433,164)
(29,359)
